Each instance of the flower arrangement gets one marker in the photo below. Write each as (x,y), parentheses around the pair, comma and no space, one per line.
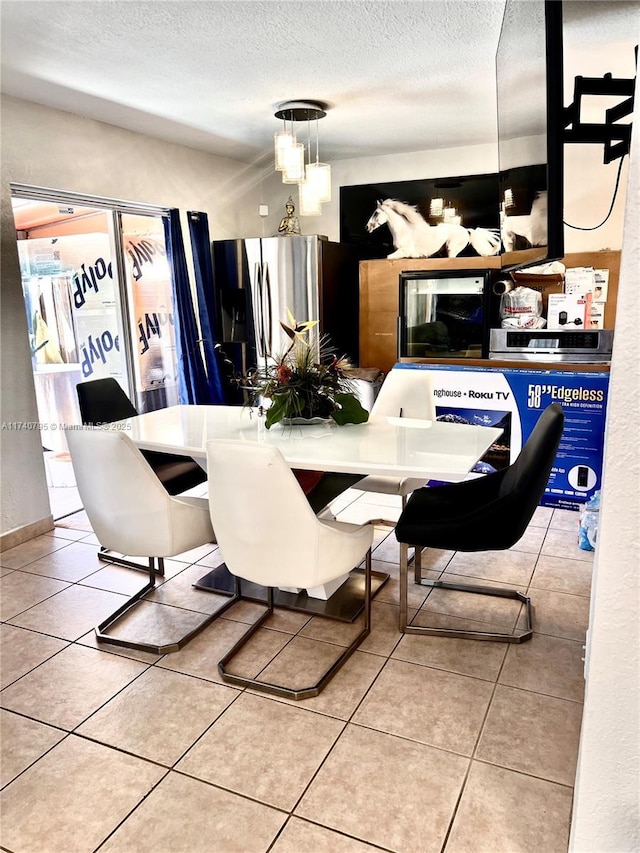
(298,386)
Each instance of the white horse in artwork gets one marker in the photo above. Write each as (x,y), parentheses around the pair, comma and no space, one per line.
(413,237)
(533,227)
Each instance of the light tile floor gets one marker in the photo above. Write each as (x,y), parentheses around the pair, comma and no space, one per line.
(419,744)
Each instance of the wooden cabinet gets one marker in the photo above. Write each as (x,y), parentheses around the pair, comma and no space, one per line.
(380,297)
(380,294)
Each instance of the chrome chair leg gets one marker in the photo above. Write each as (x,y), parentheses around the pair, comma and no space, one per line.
(495,636)
(417,564)
(106,556)
(313,689)
(154,648)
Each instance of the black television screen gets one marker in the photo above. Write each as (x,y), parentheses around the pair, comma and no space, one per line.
(530,134)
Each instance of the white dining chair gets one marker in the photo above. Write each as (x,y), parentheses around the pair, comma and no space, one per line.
(269,535)
(131,512)
(405,393)
(103,401)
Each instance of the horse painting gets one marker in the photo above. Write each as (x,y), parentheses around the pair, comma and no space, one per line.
(532,227)
(413,237)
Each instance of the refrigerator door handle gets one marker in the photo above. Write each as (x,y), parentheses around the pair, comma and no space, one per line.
(259,308)
(268,316)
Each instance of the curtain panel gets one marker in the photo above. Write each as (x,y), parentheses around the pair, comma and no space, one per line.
(201,251)
(193,384)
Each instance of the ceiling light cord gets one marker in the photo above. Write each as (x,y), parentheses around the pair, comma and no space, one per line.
(613,201)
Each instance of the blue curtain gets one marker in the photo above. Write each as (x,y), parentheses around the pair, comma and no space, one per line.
(201,250)
(193,386)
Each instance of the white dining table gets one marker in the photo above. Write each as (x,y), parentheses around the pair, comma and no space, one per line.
(397,447)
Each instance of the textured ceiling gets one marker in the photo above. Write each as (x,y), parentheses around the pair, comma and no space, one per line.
(398,76)
(209,74)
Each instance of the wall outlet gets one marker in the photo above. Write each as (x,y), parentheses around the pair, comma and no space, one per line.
(263,209)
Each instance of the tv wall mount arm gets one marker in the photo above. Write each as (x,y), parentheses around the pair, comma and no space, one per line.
(615,137)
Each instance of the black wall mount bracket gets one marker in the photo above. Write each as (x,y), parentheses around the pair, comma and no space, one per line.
(615,137)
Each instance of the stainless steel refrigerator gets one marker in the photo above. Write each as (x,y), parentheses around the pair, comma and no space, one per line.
(256,280)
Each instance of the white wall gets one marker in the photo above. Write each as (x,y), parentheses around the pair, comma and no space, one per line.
(588,192)
(607,796)
(593,47)
(51,148)
(45,147)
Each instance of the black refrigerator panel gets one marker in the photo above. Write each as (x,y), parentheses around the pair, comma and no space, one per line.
(234,331)
(340,297)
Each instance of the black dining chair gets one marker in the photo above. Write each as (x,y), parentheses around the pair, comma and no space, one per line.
(486,514)
(103,401)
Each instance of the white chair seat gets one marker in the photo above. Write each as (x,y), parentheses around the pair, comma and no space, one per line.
(389,485)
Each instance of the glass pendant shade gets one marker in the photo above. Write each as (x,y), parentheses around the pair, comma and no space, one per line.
(308,203)
(319,176)
(436,206)
(283,140)
(293,171)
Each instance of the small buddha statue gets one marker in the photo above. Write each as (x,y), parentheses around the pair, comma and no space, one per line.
(289,224)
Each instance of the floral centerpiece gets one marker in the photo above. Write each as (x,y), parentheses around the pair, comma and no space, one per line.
(298,386)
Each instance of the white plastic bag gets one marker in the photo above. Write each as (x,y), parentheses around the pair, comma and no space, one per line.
(521,308)
(589,518)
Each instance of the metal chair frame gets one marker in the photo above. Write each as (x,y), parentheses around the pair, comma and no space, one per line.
(495,636)
(287,692)
(113,619)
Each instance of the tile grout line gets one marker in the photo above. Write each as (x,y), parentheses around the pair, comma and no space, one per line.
(474,751)
(346,723)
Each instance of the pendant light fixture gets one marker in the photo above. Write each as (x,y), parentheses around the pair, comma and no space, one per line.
(283,140)
(319,175)
(436,207)
(293,169)
(314,179)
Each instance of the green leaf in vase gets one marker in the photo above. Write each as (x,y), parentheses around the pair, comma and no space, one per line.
(350,411)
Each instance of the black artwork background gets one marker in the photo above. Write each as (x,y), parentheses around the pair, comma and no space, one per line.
(475,197)
(525,182)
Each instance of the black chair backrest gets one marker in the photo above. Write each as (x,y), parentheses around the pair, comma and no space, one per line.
(529,474)
(102,401)
(491,512)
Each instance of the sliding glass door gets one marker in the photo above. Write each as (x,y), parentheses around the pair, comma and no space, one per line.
(149,311)
(98,301)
